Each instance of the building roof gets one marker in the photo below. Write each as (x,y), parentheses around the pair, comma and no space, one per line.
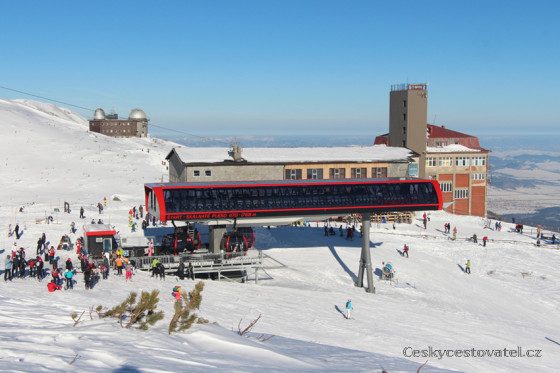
(453,148)
(467,141)
(375,153)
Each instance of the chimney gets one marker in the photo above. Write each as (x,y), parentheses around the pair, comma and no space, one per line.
(235,151)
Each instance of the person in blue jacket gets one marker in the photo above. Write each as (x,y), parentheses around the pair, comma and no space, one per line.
(68,275)
(349,309)
(8,269)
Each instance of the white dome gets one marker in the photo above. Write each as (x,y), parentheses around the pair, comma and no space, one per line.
(137,114)
(99,114)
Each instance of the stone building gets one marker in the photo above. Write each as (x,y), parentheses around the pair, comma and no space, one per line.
(136,125)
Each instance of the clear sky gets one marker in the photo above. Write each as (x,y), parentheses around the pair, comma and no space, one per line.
(233,68)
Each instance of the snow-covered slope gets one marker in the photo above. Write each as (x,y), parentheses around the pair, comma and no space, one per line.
(510,300)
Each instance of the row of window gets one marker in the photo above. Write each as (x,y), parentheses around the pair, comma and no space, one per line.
(459,161)
(459,193)
(336,173)
(115,124)
(181,200)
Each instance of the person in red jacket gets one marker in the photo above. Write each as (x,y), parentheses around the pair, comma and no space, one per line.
(52,286)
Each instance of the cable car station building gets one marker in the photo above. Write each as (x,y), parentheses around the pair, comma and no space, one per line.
(188,164)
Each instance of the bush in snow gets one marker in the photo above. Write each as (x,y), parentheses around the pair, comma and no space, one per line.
(183,319)
(139,315)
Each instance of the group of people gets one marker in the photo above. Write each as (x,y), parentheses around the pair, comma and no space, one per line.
(329,231)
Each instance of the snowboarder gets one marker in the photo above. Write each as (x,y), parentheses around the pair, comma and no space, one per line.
(468,267)
(474,238)
(348,309)
(405,251)
(16,230)
(82,212)
(484,240)
(100,207)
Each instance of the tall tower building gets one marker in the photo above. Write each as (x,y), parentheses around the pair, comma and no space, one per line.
(408,118)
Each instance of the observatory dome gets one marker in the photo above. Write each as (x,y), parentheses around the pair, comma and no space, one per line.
(137,114)
(99,114)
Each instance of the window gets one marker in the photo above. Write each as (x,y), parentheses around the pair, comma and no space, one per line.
(404,103)
(445,161)
(377,172)
(315,173)
(478,176)
(208,173)
(404,116)
(446,187)
(404,143)
(358,173)
(294,174)
(462,161)
(196,173)
(430,161)
(461,193)
(479,161)
(337,173)
(404,130)
(441,143)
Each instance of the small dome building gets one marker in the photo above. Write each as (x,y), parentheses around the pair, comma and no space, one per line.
(136,125)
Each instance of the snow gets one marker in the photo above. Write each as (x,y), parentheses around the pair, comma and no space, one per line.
(452,148)
(374,153)
(48,157)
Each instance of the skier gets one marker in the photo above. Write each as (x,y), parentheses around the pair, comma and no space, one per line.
(69,265)
(16,229)
(474,238)
(68,274)
(88,277)
(484,240)
(82,212)
(468,267)
(405,251)
(181,270)
(454,233)
(8,268)
(177,292)
(348,309)
(119,262)
(39,268)
(191,271)
(52,286)
(128,269)
(150,248)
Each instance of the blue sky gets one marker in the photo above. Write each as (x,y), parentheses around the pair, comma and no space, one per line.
(235,68)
